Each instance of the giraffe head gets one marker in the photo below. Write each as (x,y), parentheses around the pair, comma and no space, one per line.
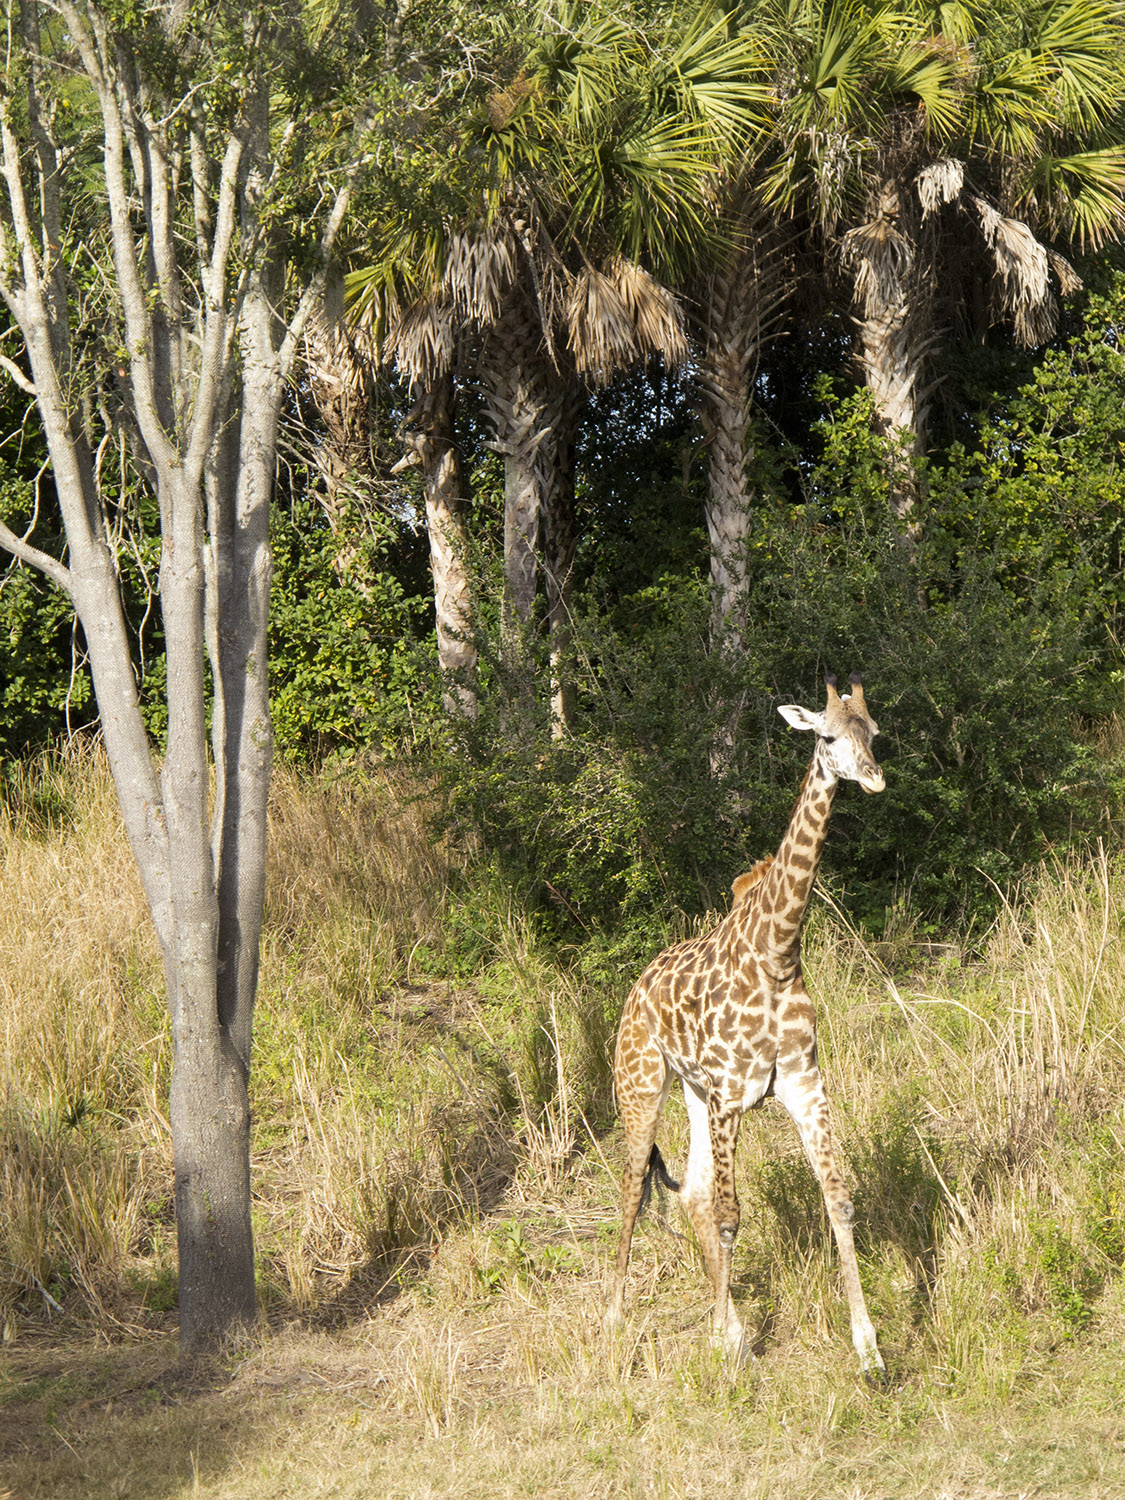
(845,731)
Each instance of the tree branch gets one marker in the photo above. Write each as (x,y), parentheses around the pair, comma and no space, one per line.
(56,571)
(25,385)
(93,51)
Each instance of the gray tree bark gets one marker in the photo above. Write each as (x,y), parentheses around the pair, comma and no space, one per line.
(205,359)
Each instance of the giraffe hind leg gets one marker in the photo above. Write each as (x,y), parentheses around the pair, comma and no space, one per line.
(640,1114)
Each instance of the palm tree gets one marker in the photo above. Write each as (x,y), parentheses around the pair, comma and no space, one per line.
(589,163)
(906,129)
(635,180)
(340,381)
(732,276)
(860,92)
(430,442)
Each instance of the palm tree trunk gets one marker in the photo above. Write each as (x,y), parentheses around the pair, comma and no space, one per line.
(515,376)
(892,291)
(340,382)
(889,356)
(557,468)
(730,334)
(433,446)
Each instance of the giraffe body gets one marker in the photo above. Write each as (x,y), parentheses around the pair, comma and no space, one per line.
(728,1014)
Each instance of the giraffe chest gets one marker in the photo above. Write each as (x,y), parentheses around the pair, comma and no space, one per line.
(723,1032)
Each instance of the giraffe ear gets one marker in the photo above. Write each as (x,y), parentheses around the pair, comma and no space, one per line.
(801,718)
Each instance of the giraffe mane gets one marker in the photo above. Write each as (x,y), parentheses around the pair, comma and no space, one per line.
(744,883)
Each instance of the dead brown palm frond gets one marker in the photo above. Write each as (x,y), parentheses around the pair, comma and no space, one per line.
(938,184)
(1024,270)
(422,341)
(881,257)
(657,316)
(600,331)
(1068,278)
(480,267)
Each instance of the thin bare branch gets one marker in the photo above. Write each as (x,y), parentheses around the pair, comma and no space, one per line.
(25,385)
(94,52)
(56,571)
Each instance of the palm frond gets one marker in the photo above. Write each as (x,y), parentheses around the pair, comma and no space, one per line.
(1078,43)
(480,266)
(1083,194)
(928,75)
(957,21)
(600,332)
(881,258)
(939,183)
(1067,277)
(422,341)
(646,185)
(1023,272)
(718,77)
(657,316)
(578,57)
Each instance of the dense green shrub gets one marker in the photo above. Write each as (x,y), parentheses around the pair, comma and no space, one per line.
(981,664)
(351,664)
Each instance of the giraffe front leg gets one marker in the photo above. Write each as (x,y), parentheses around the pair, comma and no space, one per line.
(723,1125)
(801,1090)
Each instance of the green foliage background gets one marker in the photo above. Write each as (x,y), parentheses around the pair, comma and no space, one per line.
(990,654)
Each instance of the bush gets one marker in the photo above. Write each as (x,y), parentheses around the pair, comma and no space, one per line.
(652,805)
(349,663)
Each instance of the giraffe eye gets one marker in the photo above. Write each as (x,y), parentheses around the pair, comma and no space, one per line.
(829,739)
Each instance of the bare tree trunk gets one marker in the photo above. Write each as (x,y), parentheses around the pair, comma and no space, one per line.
(203,403)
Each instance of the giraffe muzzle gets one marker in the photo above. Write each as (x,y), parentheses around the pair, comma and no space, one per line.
(873,780)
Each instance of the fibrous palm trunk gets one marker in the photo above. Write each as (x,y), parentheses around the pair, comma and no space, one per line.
(892,292)
(730,330)
(516,376)
(341,383)
(890,358)
(430,439)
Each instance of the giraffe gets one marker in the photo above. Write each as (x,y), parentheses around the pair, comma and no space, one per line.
(728,1013)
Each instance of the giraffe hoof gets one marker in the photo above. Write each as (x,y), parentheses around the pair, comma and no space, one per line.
(733,1344)
(874,1370)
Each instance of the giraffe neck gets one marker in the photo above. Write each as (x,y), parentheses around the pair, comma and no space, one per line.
(778,913)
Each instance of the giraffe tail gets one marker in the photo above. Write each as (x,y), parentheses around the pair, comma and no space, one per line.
(656,1168)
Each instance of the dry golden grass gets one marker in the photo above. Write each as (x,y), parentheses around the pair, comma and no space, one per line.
(435,1177)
